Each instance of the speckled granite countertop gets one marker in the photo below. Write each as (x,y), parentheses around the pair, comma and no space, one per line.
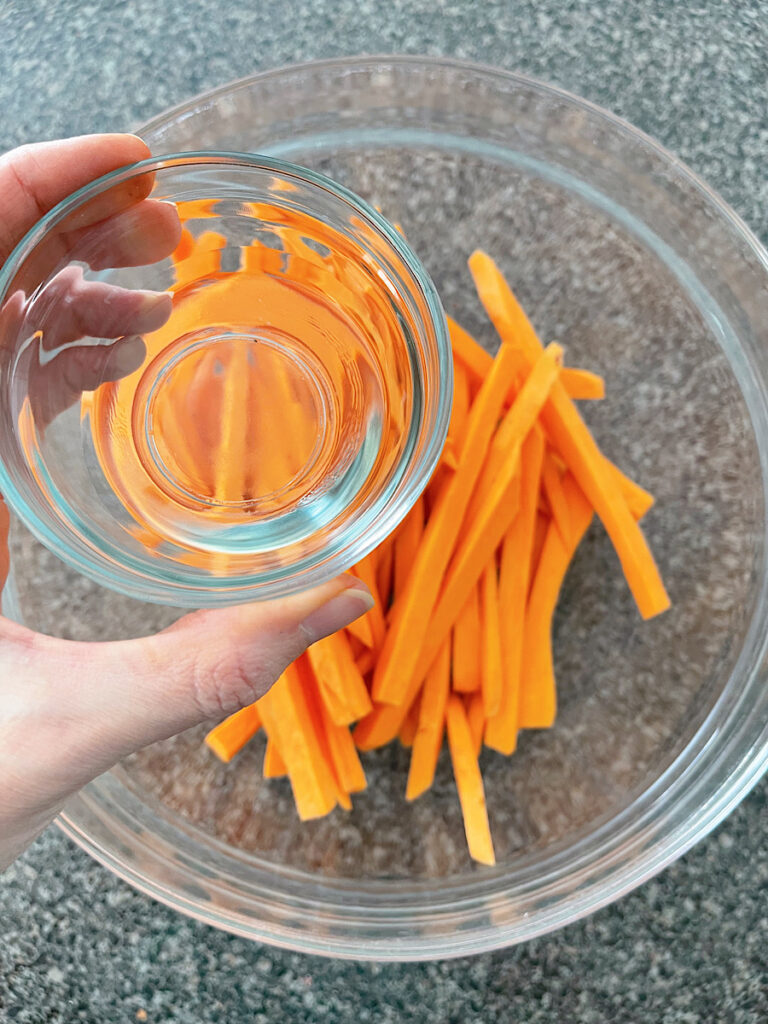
(78,945)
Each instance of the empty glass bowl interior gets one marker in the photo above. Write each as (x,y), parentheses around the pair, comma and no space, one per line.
(224,376)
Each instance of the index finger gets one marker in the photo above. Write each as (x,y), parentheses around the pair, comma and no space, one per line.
(34,178)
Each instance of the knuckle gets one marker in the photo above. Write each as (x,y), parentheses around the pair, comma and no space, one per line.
(232,683)
(228,679)
(224,666)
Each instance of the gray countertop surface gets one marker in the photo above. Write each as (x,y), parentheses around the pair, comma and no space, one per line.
(690,946)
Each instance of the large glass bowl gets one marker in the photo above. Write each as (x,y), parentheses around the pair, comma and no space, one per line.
(645,276)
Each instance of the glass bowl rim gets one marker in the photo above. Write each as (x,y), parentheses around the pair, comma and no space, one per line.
(710,794)
(410,474)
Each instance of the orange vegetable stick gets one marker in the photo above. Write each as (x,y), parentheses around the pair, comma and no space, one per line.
(205,421)
(476,720)
(403,641)
(355,646)
(429,734)
(476,549)
(300,431)
(232,457)
(584,459)
(5,556)
(467,646)
(384,571)
(407,543)
(537,685)
(383,723)
(459,411)
(553,488)
(288,717)
(344,800)
(484,532)
(341,746)
(295,245)
(274,765)
(196,209)
(514,584)
(254,258)
(366,571)
(201,259)
(184,248)
(436,486)
(472,356)
(277,455)
(365,662)
(581,384)
(515,426)
(410,725)
(341,683)
(639,501)
(231,735)
(449,457)
(479,541)
(460,408)
(541,529)
(572,439)
(176,423)
(491,665)
(469,783)
(361,630)
(319,717)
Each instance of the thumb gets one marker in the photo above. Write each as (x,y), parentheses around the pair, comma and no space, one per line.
(206,666)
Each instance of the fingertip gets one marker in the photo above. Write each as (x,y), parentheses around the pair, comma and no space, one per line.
(139,142)
(97,153)
(169,217)
(156,308)
(352,602)
(348,581)
(125,357)
(132,147)
(145,233)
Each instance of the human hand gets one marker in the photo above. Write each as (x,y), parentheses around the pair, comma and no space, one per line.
(68,711)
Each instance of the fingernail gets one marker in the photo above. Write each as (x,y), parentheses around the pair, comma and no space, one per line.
(155,309)
(127,356)
(355,600)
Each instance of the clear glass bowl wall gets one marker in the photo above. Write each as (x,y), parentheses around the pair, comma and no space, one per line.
(366,378)
(645,276)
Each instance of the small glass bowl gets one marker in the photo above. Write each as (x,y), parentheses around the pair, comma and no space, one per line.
(224,377)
